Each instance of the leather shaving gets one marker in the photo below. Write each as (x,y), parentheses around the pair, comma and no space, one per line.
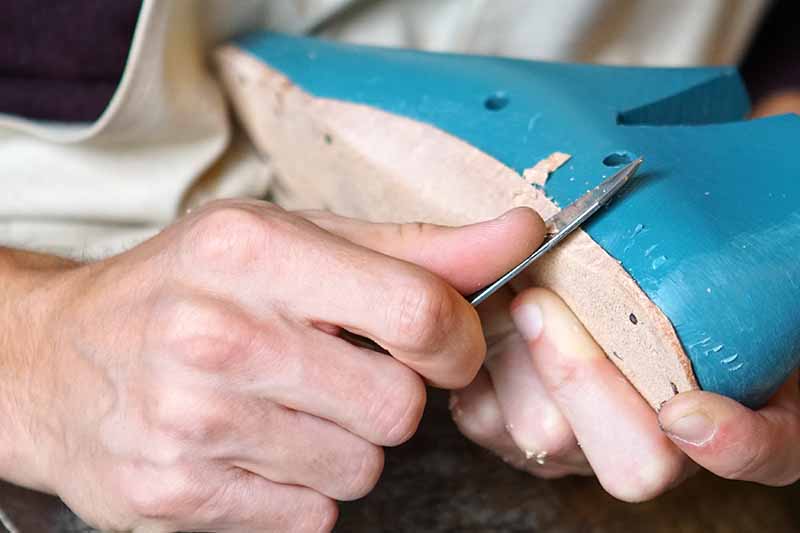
(537,175)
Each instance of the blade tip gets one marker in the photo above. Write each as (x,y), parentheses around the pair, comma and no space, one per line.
(634,165)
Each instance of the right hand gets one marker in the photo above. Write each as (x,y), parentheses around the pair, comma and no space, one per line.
(197,382)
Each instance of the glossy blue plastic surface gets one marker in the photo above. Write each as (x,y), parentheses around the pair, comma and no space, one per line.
(711,228)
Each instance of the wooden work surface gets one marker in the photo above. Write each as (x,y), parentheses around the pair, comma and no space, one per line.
(441,482)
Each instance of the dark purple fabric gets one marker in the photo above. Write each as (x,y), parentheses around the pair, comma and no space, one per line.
(773,62)
(62,60)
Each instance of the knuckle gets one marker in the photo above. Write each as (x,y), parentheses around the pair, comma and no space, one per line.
(199,428)
(480,425)
(548,432)
(227,235)
(462,370)
(170,497)
(645,481)
(318,516)
(206,335)
(564,374)
(423,312)
(397,413)
(366,469)
(751,459)
(184,417)
(745,448)
(557,435)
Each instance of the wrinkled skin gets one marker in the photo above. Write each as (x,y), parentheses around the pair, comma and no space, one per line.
(197,382)
(548,401)
(539,397)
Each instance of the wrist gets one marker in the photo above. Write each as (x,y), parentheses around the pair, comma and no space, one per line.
(29,299)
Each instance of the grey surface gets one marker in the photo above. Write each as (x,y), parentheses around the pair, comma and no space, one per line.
(439,482)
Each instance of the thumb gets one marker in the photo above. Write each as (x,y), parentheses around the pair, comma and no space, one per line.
(467,257)
(735,442)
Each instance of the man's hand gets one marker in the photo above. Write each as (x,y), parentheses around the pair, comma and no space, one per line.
(197,382)
(551,403)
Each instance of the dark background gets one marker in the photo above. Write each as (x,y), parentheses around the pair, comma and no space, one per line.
(440,482)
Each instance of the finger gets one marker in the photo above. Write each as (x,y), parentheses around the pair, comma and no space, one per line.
(532,417)
(248,502)
(368,394)
(616,428)
(477,414)
(735,442)
(301,449)
(777,103)
(300,367)
(325,279)
(236,427)
(467,257)
(495,317)
(420,320)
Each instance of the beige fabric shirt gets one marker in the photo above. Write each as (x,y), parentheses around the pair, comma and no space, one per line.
(166,142)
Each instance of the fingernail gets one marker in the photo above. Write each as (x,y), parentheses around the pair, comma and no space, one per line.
(694,428)
(528,319)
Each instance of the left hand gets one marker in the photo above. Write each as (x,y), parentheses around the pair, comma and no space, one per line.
(547,386)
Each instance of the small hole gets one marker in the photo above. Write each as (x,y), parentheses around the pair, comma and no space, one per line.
(328,138)
(617,159)
(633,319)
(496,102)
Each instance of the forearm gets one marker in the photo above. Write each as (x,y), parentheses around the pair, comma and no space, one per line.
(27,295)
